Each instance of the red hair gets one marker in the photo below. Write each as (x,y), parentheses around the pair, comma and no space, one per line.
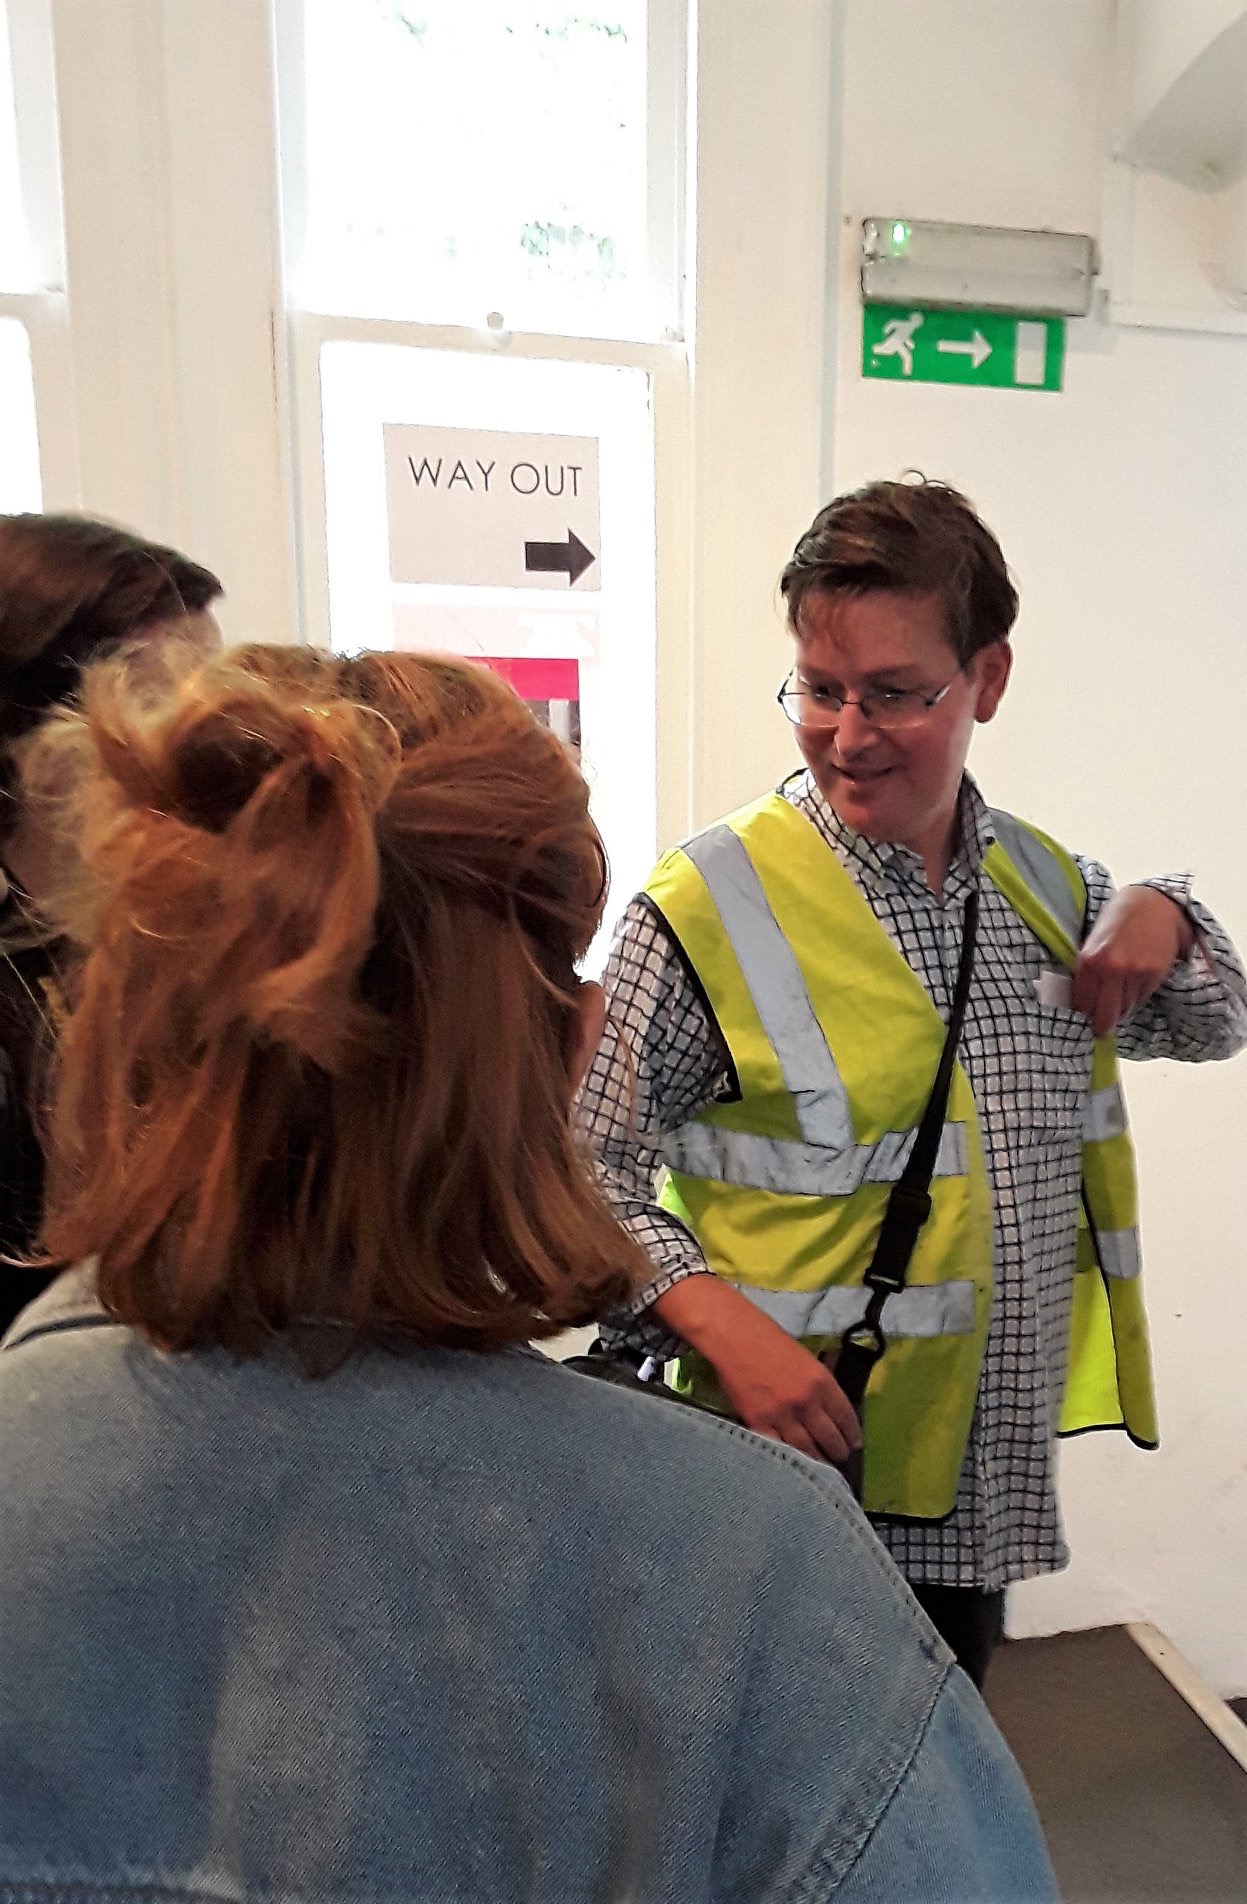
(316,1059)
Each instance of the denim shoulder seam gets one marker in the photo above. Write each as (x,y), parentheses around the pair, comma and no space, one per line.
(826,1872)
(841,1843)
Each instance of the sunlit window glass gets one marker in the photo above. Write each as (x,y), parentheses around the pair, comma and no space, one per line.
(462,159)
(19,439)
(16,268)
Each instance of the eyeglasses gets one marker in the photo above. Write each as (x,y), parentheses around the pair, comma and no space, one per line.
(888,709)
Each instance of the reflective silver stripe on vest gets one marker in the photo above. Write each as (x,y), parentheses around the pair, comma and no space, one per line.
(1041,870)
(1119,1253)
(779,993)
(925,1310)
(1104,1114)
(788,1167)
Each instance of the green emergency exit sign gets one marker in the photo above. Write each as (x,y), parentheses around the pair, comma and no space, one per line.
(913,345)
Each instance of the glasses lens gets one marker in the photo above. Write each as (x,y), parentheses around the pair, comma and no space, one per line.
(813,710)
(805,709)
(893,711)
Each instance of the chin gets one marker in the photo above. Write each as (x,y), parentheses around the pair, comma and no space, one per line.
(866,817)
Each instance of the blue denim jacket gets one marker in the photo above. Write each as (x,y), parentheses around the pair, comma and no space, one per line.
(456,1629)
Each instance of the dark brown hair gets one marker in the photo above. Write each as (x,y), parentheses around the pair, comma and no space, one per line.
(316,1060)
(913,538)
(73,590)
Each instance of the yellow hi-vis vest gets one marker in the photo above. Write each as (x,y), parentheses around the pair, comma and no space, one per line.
(834,1043)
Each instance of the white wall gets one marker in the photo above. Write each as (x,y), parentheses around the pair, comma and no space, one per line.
(1167,38)
(1121,506)
(765,108)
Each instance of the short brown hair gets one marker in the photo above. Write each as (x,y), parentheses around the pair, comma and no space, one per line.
(316,1058)
(912,538)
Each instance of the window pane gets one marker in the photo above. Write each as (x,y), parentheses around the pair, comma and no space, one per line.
(19,438)
(16,266)
(467,159)
(509,458)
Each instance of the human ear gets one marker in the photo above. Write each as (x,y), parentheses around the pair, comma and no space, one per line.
(992,666)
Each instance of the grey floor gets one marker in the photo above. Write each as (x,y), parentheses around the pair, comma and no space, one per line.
(1138,1798)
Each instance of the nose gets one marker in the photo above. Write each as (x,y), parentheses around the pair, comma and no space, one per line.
(854,735)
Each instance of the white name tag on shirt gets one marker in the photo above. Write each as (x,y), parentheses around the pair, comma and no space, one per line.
(1055,989)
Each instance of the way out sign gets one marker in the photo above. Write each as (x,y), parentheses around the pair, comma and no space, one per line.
(909,344)
(491,509)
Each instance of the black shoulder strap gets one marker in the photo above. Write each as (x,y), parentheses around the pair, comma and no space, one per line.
(909,1204)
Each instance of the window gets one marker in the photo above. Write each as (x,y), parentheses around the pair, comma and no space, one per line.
(16,262)
(442,463)
(35,394)
(461,160)
(482,210)
(19,439)
(19,442)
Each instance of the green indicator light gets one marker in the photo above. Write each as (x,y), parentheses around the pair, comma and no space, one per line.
(900,236)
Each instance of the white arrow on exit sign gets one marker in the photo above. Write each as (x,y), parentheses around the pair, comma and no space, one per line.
(976,348)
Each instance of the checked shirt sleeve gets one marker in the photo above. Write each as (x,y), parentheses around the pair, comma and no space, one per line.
(660,1062)
(1200,1012)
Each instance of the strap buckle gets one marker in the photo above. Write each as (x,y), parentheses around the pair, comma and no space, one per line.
(866,1338)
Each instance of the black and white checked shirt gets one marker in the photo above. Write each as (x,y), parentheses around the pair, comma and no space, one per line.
(1029,1067)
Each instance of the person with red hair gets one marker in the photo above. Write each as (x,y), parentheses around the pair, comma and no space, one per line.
(316,1578)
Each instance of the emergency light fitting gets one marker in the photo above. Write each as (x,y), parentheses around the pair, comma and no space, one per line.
(977,267)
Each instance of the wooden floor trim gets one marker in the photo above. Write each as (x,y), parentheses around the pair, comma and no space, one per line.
(1182,1676)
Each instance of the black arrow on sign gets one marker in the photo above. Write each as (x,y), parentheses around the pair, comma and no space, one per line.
(549,558)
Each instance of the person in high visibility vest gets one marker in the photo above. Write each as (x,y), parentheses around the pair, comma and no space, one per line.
(779,993)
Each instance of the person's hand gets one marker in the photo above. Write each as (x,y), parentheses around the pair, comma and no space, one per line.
(1128,953)
(779,1389)
(775,1386)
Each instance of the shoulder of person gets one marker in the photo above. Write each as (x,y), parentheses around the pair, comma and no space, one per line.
(800,1508)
